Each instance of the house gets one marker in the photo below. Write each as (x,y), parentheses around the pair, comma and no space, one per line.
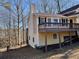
(50,29)
(72,12)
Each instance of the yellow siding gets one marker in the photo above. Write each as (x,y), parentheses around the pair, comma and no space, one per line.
(50,39)
(77,20)
(74,19)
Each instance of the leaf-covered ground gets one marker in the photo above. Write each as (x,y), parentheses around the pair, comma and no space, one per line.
(29,53)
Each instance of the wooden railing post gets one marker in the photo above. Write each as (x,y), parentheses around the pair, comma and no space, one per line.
(70,38)
(45,37)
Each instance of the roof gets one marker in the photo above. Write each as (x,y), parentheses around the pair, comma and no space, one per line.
(48,15)
(70,11)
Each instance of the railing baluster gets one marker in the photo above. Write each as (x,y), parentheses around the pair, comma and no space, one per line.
(59,25)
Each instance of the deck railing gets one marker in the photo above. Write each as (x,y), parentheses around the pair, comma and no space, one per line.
(60,26)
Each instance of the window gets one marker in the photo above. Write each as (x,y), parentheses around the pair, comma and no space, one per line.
(64,22)
(41,20)
(49,21)
(55,21)
(54,36)
(71,24)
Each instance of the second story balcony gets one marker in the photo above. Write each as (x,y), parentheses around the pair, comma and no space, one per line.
(57,27)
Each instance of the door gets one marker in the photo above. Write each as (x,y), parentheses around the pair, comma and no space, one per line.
(66,39)
(71,24)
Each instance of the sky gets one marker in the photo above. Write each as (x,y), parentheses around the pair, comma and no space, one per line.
(37,2)
(4,12)
(67,5)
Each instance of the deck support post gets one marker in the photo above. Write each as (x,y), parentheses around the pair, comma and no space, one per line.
(45,42)
(45,37)
(59,41)
(70,38)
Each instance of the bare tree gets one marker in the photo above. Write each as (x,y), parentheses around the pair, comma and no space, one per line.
(18,17)
(63,4)
(46,6)
(21,16)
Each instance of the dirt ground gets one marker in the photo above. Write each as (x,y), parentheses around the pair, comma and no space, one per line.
(29,53)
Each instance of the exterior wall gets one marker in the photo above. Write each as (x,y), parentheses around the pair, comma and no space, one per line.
(30,31)
(77,20)
(33,31)
(33,28)
(74,19)
(50,39)
(38,39)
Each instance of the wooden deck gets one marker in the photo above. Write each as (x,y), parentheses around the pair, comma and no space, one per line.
(58,27)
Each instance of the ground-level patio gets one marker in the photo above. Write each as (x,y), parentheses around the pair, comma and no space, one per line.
(67,52)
